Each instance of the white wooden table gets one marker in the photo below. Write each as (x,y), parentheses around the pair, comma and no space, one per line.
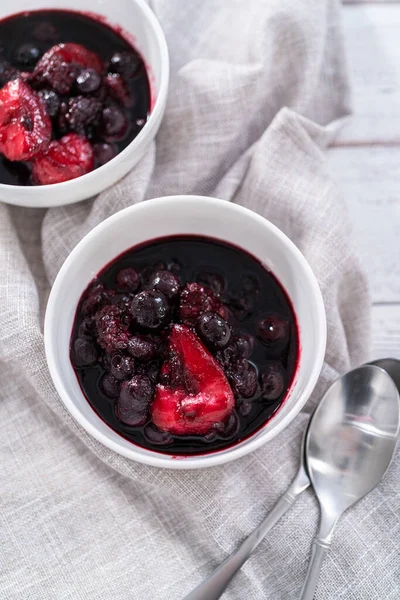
(365,158)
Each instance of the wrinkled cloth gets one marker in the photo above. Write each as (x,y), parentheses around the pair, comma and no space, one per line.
(257,90)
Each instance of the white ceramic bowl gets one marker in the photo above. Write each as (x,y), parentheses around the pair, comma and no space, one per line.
(139,23)
(184,215)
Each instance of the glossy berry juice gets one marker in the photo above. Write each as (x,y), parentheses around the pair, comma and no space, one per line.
(259,360)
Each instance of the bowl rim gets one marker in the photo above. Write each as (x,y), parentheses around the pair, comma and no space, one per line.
(156,113)
(153,458)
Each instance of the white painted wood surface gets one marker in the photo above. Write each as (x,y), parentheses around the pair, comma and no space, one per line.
(366,158)
(372,39)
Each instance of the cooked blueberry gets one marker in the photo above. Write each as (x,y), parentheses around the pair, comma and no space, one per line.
(125,63)
(121,366)
(95,297)
(243,379)
(150,309)
(272,381)
(7,72)
(134,399)
(250,284)
(27,55)
(244,408)
(88,81)
(52,102)
(156,436)
(229,427)
(273,329)
(128,279)
(214,281)
(103,153)
(227,356)
(166,282)
(141,347)
(244,344)
(86,328)
(84,352)
(110,386)
(214,330)
(114,123)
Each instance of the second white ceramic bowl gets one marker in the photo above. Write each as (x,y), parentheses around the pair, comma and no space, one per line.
(141,27)
(179,215)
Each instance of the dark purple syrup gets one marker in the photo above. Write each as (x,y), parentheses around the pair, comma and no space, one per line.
(45,28)
(242,277)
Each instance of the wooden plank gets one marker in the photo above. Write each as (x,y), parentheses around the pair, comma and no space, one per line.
(386,331)
(369,180)
(370,2)
(372,33)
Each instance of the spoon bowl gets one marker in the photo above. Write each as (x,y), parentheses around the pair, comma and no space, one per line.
(350,444)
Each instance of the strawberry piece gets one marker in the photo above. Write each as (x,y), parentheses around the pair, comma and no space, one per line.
(73,53)
(195,394)
(60,66)
(65,159)
(25,128)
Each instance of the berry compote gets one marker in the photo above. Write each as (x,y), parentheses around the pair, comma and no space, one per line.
(73,94)
(185,345)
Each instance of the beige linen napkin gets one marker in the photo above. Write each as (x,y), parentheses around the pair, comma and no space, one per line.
(254,87)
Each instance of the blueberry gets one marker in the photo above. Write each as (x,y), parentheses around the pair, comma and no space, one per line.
(27,55)
(165,282)
(88,81)
(227,356)
(272,380)
(7,72)
(244,408)
(110,386)
(125,63)
(142,348)
(212,280)
(156,436)
(86,328)
(114,122)
(150,309)
(51,101)
(228,427)
(244,344)
(134,399)
(274,329)
(128,279)
(122,367)
(103,153)
(84,352)
(214,330)
(243,379)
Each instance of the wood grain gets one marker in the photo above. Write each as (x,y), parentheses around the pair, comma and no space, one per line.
(386,331)
(369,179)
(372,34)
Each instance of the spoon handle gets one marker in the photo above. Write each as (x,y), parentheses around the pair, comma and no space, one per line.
(319,550)
(214,586)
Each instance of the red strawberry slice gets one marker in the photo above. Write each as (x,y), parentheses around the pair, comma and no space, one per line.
(65,159)
(25,127)
(196,394)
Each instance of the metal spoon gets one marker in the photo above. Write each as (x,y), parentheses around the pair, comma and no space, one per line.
(349,447)
(392,366)
(214,586)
